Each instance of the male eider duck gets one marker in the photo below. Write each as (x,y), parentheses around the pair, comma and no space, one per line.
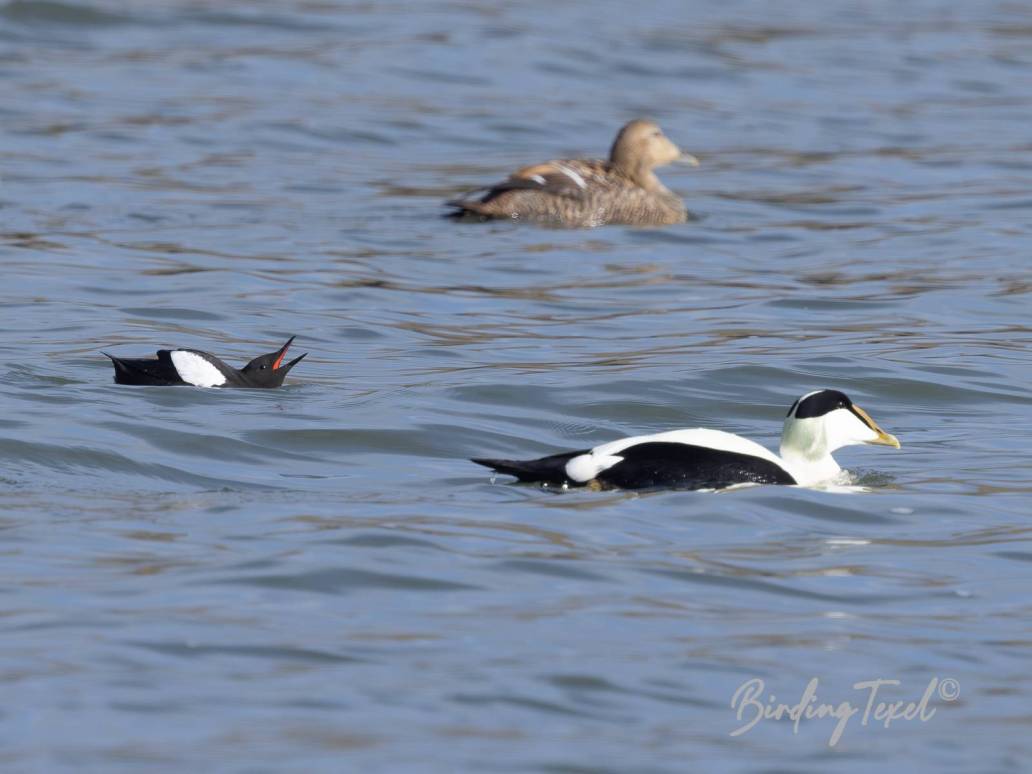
(590,192)
(817,424)
(203,369)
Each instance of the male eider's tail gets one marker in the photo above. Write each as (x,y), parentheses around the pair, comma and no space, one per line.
(546,470)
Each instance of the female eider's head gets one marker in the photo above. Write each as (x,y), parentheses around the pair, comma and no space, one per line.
(821,422)
(641,146)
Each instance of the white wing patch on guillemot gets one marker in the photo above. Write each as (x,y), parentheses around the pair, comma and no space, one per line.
(601,458)
(196,370)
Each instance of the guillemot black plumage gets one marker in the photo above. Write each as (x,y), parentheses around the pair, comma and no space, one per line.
(817,424)
(202,369)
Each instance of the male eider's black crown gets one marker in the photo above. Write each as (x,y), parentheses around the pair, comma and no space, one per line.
(820,403)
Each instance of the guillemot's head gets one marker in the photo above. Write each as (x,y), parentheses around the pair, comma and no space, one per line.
(825,420)
(270,370)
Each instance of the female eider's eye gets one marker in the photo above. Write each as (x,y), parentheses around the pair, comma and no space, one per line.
(264,367)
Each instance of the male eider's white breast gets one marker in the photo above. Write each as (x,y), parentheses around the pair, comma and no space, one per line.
(601,458)
(196,370)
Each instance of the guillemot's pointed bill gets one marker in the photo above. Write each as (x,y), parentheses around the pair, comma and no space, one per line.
(817,424)
(202,369)
(281,352)
(268,370)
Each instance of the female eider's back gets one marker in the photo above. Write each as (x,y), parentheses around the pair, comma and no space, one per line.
(590,192)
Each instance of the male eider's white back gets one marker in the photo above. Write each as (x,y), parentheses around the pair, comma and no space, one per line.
(588,466)
(196,370)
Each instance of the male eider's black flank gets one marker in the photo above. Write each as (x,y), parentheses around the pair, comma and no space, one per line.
(202,369)
(817,424)
(653,465)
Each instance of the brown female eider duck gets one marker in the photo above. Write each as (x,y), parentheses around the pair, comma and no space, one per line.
(590,192)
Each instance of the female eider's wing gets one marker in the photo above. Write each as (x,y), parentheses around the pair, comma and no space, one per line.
(560,178)
(565,178)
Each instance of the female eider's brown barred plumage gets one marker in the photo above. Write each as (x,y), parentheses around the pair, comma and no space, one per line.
(590,192)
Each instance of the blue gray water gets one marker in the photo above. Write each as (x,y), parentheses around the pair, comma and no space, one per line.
(315,579)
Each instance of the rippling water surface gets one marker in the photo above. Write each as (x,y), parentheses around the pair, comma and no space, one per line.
(315,578)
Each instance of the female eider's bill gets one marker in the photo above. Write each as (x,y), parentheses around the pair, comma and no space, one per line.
(589,192)
(817,424)
(203,369)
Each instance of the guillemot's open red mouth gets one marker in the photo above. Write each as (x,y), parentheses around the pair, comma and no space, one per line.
(282,353)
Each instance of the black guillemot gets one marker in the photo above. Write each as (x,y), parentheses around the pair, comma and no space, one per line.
(202,369)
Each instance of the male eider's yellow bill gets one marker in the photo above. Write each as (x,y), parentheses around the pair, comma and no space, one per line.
(883,439)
